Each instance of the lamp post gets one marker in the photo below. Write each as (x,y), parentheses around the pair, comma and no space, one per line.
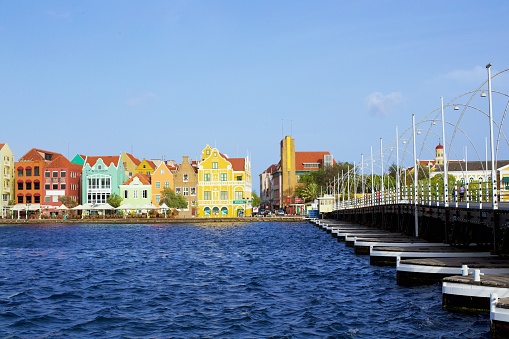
(372,180)
(382,172)
(27,209)
(493,171)
(446,175)
(416,217)
(397,166)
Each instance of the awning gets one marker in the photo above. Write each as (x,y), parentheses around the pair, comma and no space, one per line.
(505,179)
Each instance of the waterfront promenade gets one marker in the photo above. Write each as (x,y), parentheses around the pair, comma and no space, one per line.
(168,220)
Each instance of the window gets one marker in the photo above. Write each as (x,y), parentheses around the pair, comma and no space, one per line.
(37,185)
(224,176)
(186,191)
(144,194)
(37,199)
(46,174)
(36,171)
(206,195)
(158,198)
(55,198)
(158,184)
(29,199)
(20,172)
(54,186)
(20,199)
(125,194)
(28,185)
(224,195)
(135,194)
(193,190)
(177,190)
(62,186)
(166,184)
(47,198)
(29,172)
(206,177)
(20,186)
(238,195)
(239,177)
(214,165)
(186,177)
(46,186)
(162,171)
(55,174)
(62,174)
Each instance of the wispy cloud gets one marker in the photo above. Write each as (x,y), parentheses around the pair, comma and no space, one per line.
(58,15)
(475,75)
(382,105)
(141,99)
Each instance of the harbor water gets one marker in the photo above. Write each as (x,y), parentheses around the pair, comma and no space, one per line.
(218,280)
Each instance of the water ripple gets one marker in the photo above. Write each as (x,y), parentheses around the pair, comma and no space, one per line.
(257,280)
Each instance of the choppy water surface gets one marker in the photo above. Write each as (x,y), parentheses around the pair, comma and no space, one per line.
(254,280)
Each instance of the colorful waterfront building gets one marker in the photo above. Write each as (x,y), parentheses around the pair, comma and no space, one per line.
(30,176)
(146,167)
(130,163)
(6,178)
(161,178)
(137,190)
(224,185)
(62,178)
(101,177)
(186,182)
(279,181)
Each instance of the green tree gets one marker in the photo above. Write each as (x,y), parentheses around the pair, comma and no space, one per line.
(114,200)
(256,199)
(172,199)
(68,201)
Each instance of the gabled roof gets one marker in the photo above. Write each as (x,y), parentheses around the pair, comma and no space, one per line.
(108,160)
(135,160)
(63,162)
(144,179)
(2,146)
(36,154)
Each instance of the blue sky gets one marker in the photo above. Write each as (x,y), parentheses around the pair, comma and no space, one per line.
(166,78)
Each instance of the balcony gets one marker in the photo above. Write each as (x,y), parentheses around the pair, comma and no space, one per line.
(7,163)
(7,176)
(7,189)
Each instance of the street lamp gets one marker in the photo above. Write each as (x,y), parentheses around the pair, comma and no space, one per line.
(416,217)
(446,176)
(493,172)
(27,209)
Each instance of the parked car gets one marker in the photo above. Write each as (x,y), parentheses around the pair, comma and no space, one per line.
(264,212)
(280,212)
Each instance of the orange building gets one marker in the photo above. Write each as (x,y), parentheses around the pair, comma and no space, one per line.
(29,175)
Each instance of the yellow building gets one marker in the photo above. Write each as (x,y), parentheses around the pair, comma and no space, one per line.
(6,178)
(224,185)
(145,167)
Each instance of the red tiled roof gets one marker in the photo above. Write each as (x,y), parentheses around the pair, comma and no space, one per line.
(135,160)
(2,146)
(238,164)
(108,160)
(145,179)
(36,154)
(63,162)
(309,157)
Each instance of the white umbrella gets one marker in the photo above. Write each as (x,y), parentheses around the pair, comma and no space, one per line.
(164,206)
(79,207)
(62,207)
(105,206)
(125,207)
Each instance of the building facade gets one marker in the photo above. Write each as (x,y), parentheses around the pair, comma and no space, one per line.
(279,181)
(162,178)
(137,190)
(224,185)
(186,182)
(30,175)
(101,177)
(6,178)
(61,179)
